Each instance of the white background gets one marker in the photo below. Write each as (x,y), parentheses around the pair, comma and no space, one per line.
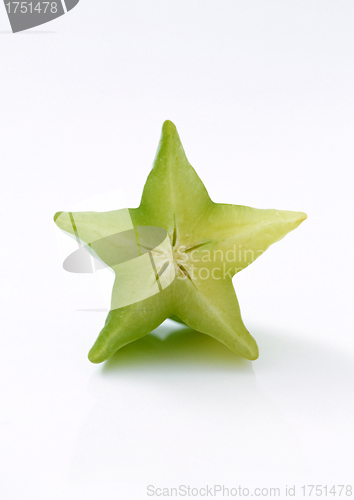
(262,95)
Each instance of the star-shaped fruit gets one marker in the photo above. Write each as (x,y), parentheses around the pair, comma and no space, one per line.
(175,255)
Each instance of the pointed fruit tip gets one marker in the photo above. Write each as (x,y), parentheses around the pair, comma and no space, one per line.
(94,357)
(57,215)
(168,127)
(254,356)
(247,348)
(253,351)
(293,217)
(300,217)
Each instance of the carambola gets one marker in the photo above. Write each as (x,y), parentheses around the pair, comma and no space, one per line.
(175,255)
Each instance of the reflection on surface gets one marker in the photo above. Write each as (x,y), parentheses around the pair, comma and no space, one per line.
(181,349)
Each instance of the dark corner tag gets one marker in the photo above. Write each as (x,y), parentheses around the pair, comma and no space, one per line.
(28,14)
